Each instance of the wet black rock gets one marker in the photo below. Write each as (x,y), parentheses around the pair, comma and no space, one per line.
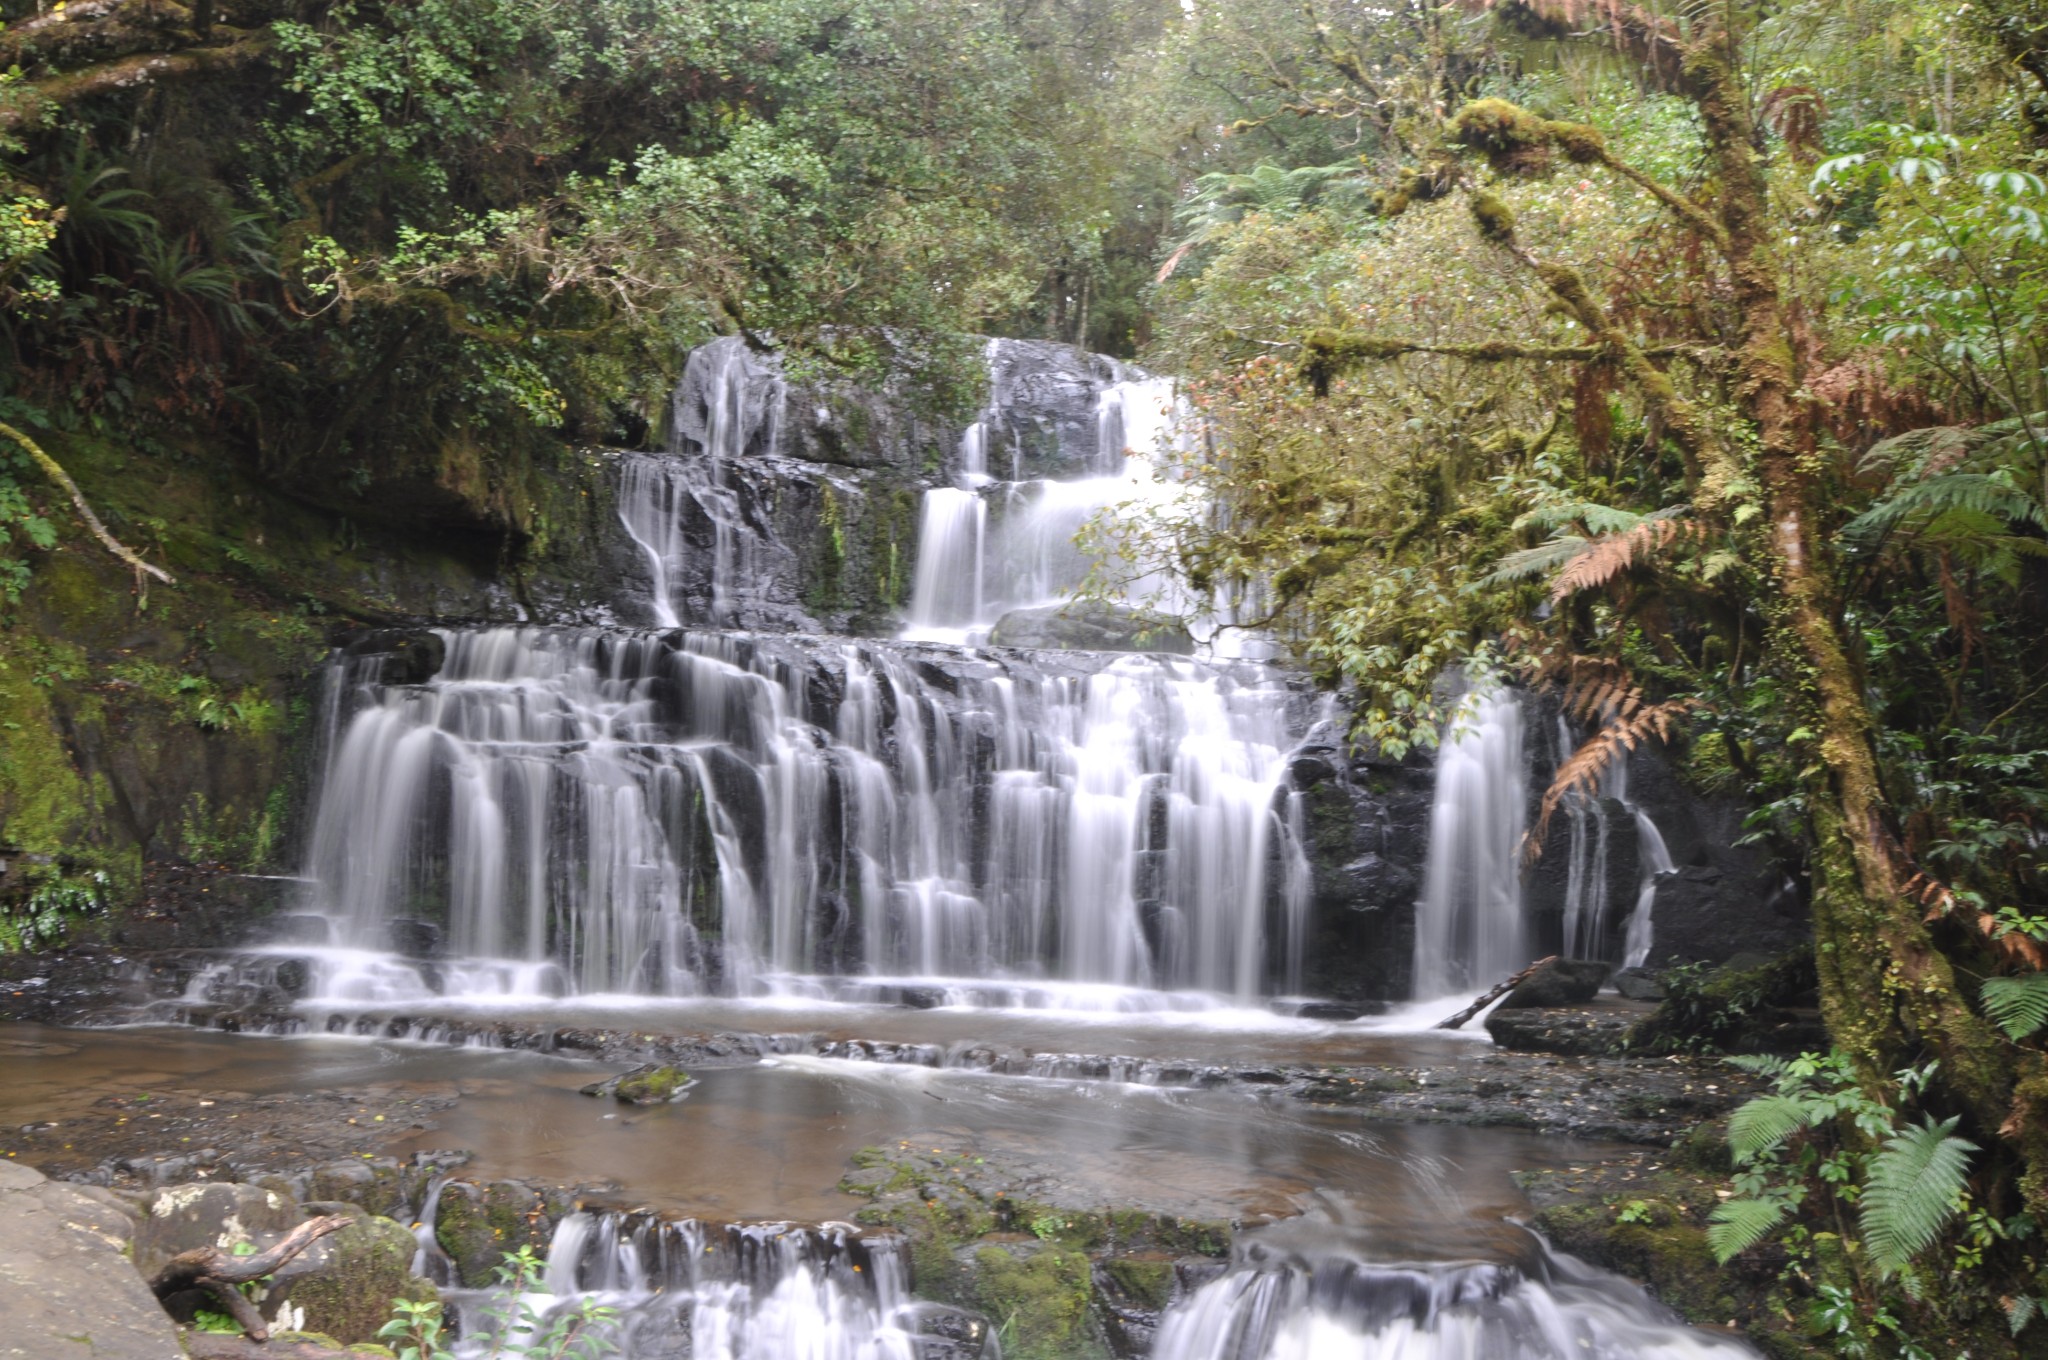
(1560,982)
(1589,1031)
(413,939)
(402,656)
(1365,832)
(1640,984)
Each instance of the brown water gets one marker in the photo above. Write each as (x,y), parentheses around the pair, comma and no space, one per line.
(771,1140)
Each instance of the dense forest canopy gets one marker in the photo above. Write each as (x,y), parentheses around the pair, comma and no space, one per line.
(1686,356)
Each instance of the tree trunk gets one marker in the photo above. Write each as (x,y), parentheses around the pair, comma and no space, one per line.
(1885,987)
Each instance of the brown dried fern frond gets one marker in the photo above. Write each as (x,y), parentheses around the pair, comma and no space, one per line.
(1583,772)
(1609,556)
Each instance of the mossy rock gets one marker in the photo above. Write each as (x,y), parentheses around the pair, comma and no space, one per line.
(653,1084)
(1143,1280)
(1039,1298)
(476,1225)
(348,1281)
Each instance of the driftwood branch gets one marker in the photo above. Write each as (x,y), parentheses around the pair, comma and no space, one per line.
(1458,1021)
(57,474)
(218,1273)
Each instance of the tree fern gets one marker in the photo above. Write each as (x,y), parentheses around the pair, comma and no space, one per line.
(1913,1189)
(1541,560)
(2018,1004)
(1979,493)
(1739,1224)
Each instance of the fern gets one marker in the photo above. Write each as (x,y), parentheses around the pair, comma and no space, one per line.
(1603,559)
(1619,539)
(1761,1064)
(1582,774)
(1759,1125)
(1980,494)
(2018,1004)
(1914,1188)
(1540,560)
(1739,1224)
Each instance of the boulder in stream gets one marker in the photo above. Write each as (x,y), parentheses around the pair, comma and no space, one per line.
(1560,982)
(648,1084)
(71,1291)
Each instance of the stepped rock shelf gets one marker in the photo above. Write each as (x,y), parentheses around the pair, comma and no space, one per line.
(1046,999)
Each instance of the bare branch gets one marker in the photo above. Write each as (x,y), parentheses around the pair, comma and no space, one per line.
(57,474)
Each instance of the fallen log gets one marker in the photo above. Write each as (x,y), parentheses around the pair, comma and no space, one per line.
(217,1272)
(1458,1021)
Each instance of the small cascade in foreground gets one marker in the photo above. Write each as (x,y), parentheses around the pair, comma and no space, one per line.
(1337,1308)
(767,1291)
(1469,929)
(687,813)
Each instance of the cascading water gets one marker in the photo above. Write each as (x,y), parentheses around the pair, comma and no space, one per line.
(692,812)
(1469,929)
(986,547)
(1587,909)
(1338,1308)
(1655,859)
(680,813)
(677,505)
(772,1291)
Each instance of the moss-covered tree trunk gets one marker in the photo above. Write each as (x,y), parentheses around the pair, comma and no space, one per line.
(1886,988)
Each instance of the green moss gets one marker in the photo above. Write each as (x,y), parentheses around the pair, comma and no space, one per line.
(368,1267)
(1495,219)
(1146,1281)
(476,1226)
(1039,1302)
(654,1086)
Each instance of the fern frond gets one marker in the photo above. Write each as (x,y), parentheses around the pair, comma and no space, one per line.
(1761,1124)
(1590,517)
(1916,1180)
(2019,1005)
(1538,561)
(1584,771)
(1736,1225)
(1760,1064)
(1925,501)
(2019,1311)
(1603,559)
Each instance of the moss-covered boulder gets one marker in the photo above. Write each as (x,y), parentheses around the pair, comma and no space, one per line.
(344,1286)
(650,1084)
(476,1225)
(1039,1295)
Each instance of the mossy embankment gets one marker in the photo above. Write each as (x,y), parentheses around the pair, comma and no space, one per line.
(148,727)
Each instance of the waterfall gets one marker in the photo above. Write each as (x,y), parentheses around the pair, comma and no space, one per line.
(1654,859)
(1336,1308)
(728,406)
(680,813)
(986,547)
(1468,926)
(767,1291)
(1587,906)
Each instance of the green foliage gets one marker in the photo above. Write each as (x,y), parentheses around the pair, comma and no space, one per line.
(1913,1189)
(45,918)
(2018,1004)
(513,1328)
